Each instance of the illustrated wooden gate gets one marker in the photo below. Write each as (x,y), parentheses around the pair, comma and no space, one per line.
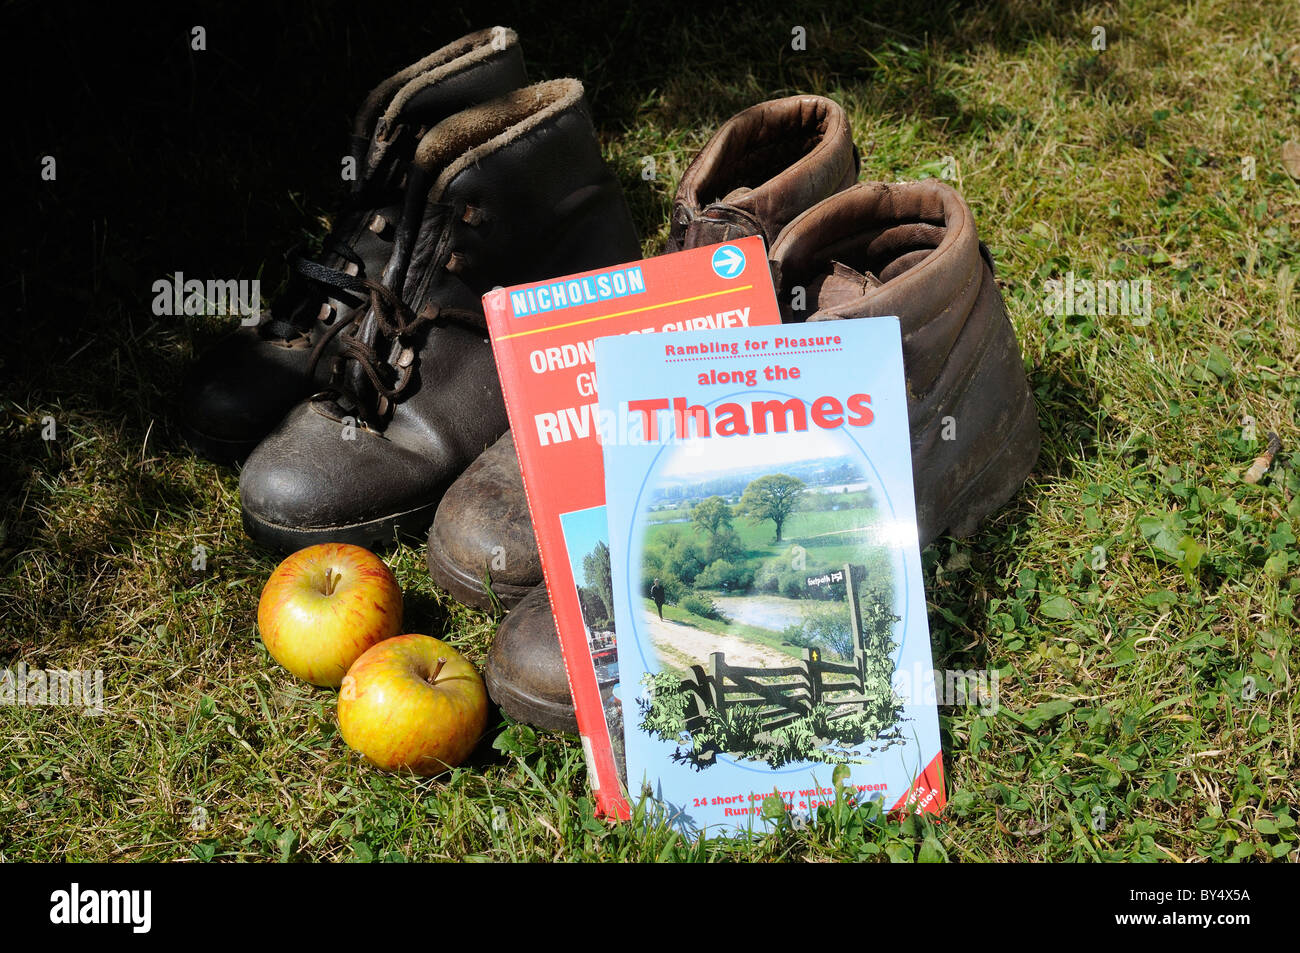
(782,695)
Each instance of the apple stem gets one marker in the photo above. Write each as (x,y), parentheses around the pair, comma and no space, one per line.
(438,668)
(330,581)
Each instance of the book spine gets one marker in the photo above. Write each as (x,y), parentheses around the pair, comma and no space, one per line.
(592,728)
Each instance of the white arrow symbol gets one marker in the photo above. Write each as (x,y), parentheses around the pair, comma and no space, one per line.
(729,260)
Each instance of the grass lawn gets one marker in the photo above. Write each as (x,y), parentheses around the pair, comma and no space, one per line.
(1137,599)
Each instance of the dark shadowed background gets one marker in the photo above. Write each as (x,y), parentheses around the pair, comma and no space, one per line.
(215,162)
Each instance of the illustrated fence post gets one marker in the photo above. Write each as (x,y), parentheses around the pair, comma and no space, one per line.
(855,620)
(812,678)
(698,683)
(701,697)
(717,672)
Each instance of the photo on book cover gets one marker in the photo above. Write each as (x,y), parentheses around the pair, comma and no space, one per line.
(767,600)
(586,540)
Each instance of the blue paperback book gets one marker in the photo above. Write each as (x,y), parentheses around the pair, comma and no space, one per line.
(766,579)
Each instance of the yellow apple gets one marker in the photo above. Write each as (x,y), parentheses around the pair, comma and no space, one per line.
(324,606)
(413,703)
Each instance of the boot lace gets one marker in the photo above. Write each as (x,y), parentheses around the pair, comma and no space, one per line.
(326,283)
(388,360)
(396,325)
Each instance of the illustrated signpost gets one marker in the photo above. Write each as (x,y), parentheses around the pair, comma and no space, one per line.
(849,578)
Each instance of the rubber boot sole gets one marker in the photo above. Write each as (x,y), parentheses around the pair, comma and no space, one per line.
(469,589)
(530,709)
(374,535)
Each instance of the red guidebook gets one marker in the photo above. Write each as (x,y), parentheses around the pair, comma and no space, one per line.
(543,337)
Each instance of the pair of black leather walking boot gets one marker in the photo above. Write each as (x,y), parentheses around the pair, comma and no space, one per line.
(785,170)
(372,385)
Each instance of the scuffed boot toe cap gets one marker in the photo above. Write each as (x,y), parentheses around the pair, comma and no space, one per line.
(318,479)
(482,531)
(525,667)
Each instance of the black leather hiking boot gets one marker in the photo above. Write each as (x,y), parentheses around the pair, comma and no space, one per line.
(511,191)
(242,386)
(763,167)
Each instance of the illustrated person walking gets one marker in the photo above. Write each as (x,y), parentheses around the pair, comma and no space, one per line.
(657,594)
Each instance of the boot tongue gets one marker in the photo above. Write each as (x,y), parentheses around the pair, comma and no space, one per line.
(374,338)
(722,221)
(842,285)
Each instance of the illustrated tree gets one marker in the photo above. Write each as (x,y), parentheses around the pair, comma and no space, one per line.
(711,515)
(595,570)
(714,516)
(772,497)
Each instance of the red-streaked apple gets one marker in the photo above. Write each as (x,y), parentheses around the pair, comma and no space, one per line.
(324,606)
(413,703)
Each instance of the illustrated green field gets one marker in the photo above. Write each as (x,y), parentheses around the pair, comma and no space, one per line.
(682,511)
(1137,599)
(818,531)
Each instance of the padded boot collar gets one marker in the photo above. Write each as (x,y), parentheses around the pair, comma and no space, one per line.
(465,139)
(919,239)
(761,169)
(474,68)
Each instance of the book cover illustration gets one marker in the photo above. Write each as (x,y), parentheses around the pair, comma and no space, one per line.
(543,337)
(766,573)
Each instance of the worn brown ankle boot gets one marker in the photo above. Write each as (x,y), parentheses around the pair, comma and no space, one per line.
(483,536)
(525,672)
(911,250)
(764,166)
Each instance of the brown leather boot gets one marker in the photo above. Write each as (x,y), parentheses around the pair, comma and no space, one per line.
(525,672)
(483,534)
(244,384)
(763,167)
(911,250)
